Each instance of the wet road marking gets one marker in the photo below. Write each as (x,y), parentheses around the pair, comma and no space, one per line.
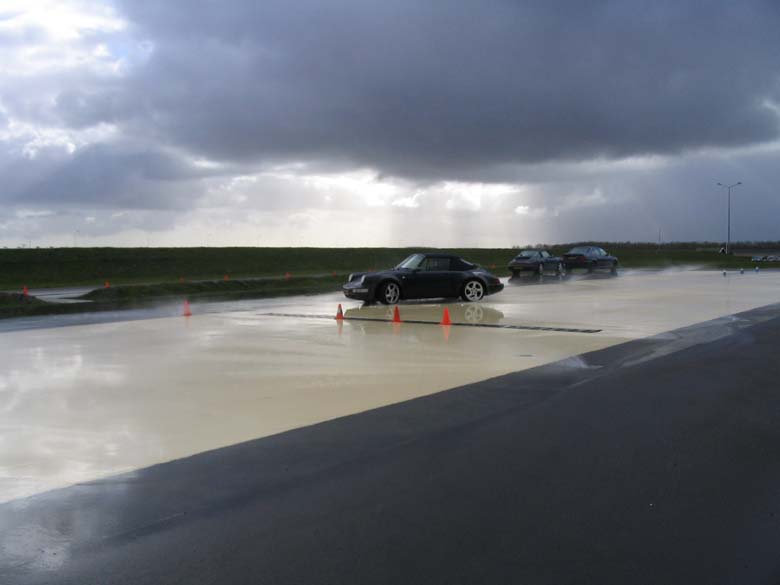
(419,322)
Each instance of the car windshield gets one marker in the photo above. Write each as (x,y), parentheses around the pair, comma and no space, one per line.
(579,250)
(527,254)
(412,262)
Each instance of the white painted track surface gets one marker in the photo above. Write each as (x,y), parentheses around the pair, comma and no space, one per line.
(82,402)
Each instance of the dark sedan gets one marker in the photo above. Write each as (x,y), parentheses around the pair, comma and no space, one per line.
(539,261)
(590,258)
(424,276)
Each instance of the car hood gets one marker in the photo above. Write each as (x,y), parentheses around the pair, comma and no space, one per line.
(357,275)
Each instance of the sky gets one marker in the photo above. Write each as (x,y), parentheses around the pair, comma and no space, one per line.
(484,123)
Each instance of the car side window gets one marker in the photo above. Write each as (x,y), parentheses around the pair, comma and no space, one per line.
(436,264)
(545,254)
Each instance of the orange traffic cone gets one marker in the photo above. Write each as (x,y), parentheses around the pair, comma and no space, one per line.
(396,315)
(339,314)
(187,311)
(445,318)
(106,284)
(334,274)
(287,276)
(25,293)
(226,278)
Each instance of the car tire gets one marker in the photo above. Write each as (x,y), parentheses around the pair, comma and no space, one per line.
(515,273)
(473,291)
(389,293)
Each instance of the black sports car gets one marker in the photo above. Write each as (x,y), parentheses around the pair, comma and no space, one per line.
(539,261)
(424,276)
(590,258)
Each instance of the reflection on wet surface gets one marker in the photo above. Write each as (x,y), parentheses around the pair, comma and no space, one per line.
(82,402)
(526,279)
(468,313)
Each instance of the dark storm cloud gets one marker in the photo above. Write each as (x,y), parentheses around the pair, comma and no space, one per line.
(433,89)
(111,175)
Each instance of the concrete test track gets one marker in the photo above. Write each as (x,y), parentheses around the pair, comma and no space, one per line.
(645,452)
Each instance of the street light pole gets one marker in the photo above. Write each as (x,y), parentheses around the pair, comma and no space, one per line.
(728,229)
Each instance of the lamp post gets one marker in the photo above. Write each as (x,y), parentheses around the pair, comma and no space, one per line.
(728,232)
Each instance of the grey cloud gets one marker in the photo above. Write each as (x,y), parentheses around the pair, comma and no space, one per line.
(115,175)
(431,90)
(530,93)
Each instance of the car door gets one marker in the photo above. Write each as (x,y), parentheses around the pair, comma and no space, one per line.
(432,279)
(549,262)
(604,261)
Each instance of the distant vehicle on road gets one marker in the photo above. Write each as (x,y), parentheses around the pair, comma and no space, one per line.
(424,276)
(590,258)
(538,261)
(758,258)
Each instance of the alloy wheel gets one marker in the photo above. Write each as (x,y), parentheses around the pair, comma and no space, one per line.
(473,291)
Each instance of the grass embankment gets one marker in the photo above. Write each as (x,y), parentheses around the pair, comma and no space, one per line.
(137,296)
(17,304)
(142,275)
(230,289)
(58,267)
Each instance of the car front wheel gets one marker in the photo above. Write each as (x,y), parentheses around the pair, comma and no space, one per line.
(473,291)
(390,293)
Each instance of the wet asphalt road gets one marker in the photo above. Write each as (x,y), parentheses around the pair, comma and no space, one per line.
(654,461)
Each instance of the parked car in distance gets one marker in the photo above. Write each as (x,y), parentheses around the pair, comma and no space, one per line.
(590,258)
(424,276)
(538,261)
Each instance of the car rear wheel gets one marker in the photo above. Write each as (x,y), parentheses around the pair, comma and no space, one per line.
(389,293)
(473,291)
